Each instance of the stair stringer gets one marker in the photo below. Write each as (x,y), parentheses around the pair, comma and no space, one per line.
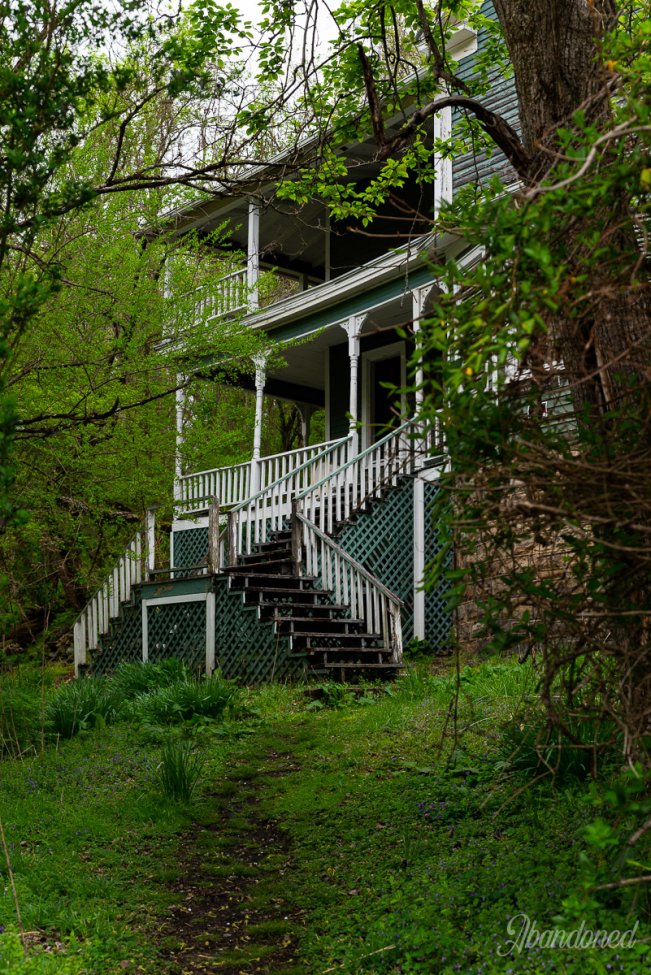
(381,538)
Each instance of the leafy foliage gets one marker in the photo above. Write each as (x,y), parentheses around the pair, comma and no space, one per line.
(188,699)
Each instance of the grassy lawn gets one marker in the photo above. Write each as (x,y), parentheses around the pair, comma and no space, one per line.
(358,834)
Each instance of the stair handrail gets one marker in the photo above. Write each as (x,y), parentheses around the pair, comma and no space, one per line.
(268,509)
(365,475)
(94,620)
(232,483)
(351,582)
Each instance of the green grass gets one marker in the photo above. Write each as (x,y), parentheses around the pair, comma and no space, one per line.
(394,849)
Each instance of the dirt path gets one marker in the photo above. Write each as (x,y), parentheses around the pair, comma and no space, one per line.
(231,913)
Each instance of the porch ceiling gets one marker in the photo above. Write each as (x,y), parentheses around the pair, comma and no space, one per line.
(306,359)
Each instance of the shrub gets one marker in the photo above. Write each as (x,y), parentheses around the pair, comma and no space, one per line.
(131,680)
(530,746)
(80,705)
(213,698)
(179,770)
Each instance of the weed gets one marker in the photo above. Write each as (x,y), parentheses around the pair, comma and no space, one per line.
(131,680)
(79,706)
(179,771)
(187,699)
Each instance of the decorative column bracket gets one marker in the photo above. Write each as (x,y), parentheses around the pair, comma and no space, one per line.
(353,329)
(260,380)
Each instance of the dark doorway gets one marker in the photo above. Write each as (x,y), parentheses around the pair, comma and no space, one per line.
(386,381)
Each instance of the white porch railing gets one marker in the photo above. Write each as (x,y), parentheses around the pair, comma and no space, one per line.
(94,620)
(351,584)
(251,521)
(365,476)
(232,485)
(223,296)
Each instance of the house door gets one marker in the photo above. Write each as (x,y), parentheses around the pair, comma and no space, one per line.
(383,403)
(386,381)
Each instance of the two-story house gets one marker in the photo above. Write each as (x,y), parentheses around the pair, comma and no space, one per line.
(310,561)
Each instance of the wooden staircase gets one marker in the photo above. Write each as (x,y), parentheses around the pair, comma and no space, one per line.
(333,644)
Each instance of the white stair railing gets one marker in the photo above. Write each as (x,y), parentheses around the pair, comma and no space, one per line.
(351,584)
(253,520)
(231,485)
(365,476)
(94,620)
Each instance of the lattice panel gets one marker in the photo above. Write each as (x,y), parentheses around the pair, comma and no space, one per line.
(123,642)
(382,539)
(438,618)
(190,547)
(178,630)
(247,648)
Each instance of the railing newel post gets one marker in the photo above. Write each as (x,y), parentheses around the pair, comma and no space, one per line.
(213,536)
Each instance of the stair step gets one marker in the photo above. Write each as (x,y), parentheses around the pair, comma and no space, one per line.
(328,629)
(269,592)
(360,640)
(363,651)
(273,544)
(387,668)
(268,610)
(251,581)
(284,565)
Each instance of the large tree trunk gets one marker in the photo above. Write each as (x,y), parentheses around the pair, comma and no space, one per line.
(601,334)
(555,46)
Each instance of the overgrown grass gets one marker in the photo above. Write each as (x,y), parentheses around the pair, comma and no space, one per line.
(413,830)
(179,771)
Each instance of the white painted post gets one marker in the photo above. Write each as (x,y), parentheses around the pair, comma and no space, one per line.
(213,536)
(326,257)
(260,378)
(419,299)
(210,633)
(442,165)
(353,328)
(178,462)
(145,633)
(79,638)
(419,558)
(253,255)
(306,418)
(151,541)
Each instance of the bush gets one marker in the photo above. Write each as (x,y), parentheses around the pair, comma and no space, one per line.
(530,746)
(179,770)
(211,697)
(131,680)
(81,705)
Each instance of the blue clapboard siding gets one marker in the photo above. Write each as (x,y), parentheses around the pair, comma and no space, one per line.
(475,167)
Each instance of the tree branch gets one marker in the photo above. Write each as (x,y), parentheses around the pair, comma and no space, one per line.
(503,135)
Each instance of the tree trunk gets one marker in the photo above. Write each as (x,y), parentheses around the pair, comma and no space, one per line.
(555,47)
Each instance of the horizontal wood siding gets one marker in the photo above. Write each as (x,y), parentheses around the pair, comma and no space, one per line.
(476,167)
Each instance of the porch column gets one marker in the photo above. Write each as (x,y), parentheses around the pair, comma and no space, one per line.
(419,298)
(260,379)
(326,255)
(419,558)
(253,255)
(306,412)
(442,166)
(178,463)
(353,328)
